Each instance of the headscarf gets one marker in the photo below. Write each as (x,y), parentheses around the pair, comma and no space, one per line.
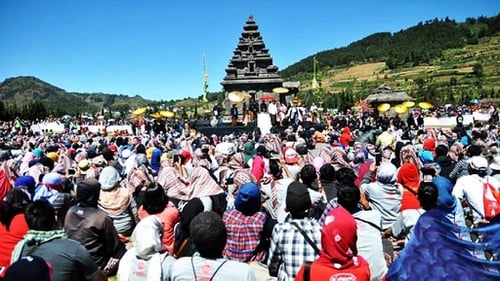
(248,151)
(203,183)
(409,176)
(173,183)
(87,193)
(446,201)
(11,170)
(455,150)
(338,159)
(338,240)
(386,173)
(409,151)
(236,161)
(5,185)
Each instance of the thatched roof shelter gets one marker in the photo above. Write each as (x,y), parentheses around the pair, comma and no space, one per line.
(385,94)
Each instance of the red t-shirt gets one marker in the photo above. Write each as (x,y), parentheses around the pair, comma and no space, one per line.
(409,201)
(320,272)
(257,167)
(10,238)
(169,217)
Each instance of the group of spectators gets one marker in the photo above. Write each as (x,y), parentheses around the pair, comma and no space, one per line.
(380,200)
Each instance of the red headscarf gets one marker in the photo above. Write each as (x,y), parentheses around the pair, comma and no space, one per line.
(409,176)
(338,240)
(5,185)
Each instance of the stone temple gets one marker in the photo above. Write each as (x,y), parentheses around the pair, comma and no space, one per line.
(251,68)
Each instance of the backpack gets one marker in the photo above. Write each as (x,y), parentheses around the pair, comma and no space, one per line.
(491,200)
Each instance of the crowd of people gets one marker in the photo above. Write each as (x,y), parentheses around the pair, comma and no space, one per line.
(360,198)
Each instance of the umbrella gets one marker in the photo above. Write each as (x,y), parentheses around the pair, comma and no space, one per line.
(409,103)
(139,111)
(280,90)
(400,108)
(166,113)
(383,107)
(100,117)
(235,96)
(475,101)
(157,115)
(268,97)
(425,105)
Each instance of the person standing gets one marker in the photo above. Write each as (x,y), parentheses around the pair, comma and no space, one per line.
(272,109)
(234,115)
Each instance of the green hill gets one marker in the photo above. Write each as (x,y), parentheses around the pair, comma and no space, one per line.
(439,61)
(30,97)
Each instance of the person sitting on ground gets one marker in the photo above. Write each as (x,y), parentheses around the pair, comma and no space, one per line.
(156,202)
(51,190)
(183,246)
(148,259)
(69,259)
(117,201)
(13,225)
(209,236)
(369,227)
(339,255)
(384,195)
(435,239)
(29,268)
(289,247)
(91,227)
(249,229)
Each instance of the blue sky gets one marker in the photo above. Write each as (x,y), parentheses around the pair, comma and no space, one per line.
(155,48)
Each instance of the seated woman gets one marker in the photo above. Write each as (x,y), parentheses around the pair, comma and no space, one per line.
(338,258)
(436,252)
(156,203)
(117,201)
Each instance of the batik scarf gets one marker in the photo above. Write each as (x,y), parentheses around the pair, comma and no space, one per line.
(36,237)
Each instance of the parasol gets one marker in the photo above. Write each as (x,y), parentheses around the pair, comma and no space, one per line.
(383,107)
(280,90)
(400,108)
(139,111)
(167,113)
(409,103)
(268,97)
(235,96)
(156,115)
(425,105)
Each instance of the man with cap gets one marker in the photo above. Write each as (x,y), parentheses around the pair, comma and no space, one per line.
(475,186)
(248,228)
(298,239)
(93,228)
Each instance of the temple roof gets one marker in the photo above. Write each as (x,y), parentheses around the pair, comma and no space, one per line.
(251,62)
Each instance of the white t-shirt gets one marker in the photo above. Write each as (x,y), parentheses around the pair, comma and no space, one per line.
(219,270)
(471,188)
(406,222)
(370,242)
